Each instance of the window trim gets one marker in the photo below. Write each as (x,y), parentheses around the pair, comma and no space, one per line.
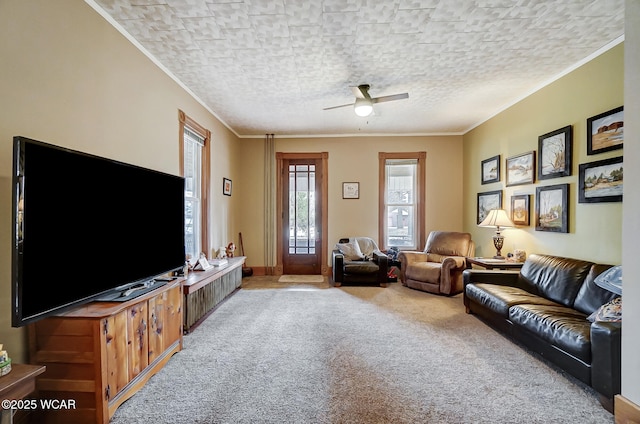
(420,193)
(192,125)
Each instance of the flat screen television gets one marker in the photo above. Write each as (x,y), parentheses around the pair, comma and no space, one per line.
(86,226)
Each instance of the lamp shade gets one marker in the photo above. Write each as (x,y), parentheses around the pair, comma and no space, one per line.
(363,107)
(497,218)
(611,279)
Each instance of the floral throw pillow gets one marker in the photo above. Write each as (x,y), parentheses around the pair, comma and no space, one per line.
(609,312)
(351,251)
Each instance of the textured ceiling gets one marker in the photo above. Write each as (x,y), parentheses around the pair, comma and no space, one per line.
(271,66)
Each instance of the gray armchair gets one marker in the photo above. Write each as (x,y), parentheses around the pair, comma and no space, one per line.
(357,260)
(438,269)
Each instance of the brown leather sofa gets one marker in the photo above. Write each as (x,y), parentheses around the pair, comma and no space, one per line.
(438,269)
(545,307)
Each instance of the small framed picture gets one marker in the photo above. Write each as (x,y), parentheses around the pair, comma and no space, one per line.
(521,168)
(490,170)
(554,153)
(552,208)
(520,209)
(350,190)
(601,181)
(226,186)
(487,201)
(605,131)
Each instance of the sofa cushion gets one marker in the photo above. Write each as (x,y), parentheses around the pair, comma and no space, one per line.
(424,271)
(553,277)
(591,296)
(560,326)
(351,251)
(499,298)
(360,267)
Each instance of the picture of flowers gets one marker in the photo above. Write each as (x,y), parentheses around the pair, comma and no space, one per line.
(601,181)
(552,208)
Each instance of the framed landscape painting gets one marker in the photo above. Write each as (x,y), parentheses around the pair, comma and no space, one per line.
(487,201)
(552,208)
(520,209)
(601,181)
(490,170)
(521,169)
(554,153)
(605,131)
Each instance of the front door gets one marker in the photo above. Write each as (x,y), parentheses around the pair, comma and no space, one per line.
(301,223)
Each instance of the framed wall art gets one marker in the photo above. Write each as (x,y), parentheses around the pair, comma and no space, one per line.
(487,201)
(226,186)
(490,170)
(350,190)
(554,153)
(520,209)
(605,131)
(552,208)
(521,168)
(601,181)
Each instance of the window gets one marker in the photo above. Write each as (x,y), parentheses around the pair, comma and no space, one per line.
(401,214)
(194,159)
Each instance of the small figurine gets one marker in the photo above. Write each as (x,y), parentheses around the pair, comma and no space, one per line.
(230,249)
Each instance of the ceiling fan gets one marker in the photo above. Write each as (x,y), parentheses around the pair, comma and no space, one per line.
(363,105)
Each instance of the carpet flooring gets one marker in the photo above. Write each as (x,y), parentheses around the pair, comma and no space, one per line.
(311,353)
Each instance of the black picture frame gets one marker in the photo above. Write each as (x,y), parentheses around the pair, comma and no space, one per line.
(521,169)
(552,208)
(486,201)
(226,186)
(520,209)
(490,170)
(351,190)
(605,132)
(601,181)
(555,153)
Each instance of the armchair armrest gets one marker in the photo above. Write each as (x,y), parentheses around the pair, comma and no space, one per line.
(338,266)
(383,266)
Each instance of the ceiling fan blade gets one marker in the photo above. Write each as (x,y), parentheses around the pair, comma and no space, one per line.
(361,91)
(390,98)
(336,107)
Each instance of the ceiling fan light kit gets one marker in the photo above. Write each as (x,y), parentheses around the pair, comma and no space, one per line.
(363,107)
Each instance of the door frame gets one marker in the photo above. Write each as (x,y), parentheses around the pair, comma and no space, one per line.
(280,158)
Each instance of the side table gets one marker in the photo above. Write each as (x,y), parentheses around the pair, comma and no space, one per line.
(490,263)
(17,385)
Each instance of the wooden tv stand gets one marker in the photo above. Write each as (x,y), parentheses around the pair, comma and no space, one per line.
(101,353)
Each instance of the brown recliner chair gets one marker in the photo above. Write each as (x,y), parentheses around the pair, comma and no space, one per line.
(439,268)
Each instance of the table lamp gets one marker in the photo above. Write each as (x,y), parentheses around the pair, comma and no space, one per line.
(498,219)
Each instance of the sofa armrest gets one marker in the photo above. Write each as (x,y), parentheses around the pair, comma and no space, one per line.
(499,277)
(606,348)
(338,266)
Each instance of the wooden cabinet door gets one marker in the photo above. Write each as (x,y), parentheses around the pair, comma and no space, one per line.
(165,321)
(138,339)
(115,333)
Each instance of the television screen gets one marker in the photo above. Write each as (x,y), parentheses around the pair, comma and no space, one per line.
(85,225)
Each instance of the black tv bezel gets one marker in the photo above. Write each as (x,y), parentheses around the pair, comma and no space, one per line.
(17,318)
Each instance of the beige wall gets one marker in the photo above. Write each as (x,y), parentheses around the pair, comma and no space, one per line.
(356,159)
(631,249)
(69,78)
(595,230)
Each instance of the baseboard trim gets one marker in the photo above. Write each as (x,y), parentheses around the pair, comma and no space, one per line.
(626,412)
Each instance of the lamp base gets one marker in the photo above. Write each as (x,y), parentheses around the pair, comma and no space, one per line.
(498,241)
